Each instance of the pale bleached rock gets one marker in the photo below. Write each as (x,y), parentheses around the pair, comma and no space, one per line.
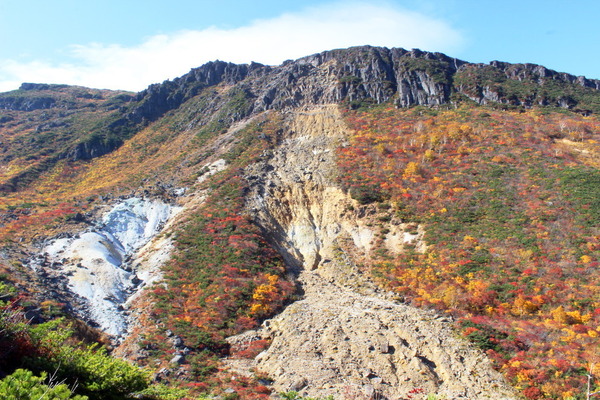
(101,265)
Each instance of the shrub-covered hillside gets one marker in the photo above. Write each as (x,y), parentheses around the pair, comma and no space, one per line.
(58,359)
(490,171)
(510,205)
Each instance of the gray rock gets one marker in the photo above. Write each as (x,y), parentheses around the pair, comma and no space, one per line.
(177,341)
(178,359)
(369,391)
(298,384)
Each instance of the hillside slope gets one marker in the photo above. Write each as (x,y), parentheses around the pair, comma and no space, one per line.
(389,205)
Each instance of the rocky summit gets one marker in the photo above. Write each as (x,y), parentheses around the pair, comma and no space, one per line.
(362,223)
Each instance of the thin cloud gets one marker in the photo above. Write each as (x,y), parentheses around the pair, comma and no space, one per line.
(268,41)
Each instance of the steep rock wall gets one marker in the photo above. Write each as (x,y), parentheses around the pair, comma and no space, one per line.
(365,73)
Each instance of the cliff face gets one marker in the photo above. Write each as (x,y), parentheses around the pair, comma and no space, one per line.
(372,74)
(378,74)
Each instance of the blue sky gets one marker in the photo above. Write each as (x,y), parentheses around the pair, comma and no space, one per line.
(129,44)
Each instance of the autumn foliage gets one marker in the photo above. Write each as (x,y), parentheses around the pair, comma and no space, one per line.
(224,278)
(509,203)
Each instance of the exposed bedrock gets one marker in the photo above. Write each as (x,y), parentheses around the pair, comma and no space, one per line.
(346,336)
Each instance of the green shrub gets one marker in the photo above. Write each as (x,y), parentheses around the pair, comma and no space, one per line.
(96,373)
(162,392)
(24,385)
(485,337)
(366,194)
(582,187)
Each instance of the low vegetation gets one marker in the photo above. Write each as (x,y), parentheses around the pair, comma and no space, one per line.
(509,201)
(228,278)
(48,361)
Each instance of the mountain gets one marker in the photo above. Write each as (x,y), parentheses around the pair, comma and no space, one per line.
(362,223)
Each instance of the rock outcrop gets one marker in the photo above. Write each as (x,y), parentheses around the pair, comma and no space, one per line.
(99,269)
(26,103)
(372,74)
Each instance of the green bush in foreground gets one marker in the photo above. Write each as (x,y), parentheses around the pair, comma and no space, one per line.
(92,369)
(45,362)
(24,385)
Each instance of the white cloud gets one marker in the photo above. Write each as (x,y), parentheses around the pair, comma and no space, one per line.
(268,41)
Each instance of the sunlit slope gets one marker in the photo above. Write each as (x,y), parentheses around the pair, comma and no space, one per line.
(509,203)
(41,124)
(493,169)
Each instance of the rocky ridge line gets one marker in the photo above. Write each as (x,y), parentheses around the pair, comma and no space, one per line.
(356,75)
(377,74)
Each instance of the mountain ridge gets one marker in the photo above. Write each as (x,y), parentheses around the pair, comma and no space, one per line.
(378,66)
(408,78)
(385,177)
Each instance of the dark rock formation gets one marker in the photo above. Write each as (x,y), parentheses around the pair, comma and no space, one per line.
(41,86)
(160,98)
(371,74)
(357,76)
(93,147)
